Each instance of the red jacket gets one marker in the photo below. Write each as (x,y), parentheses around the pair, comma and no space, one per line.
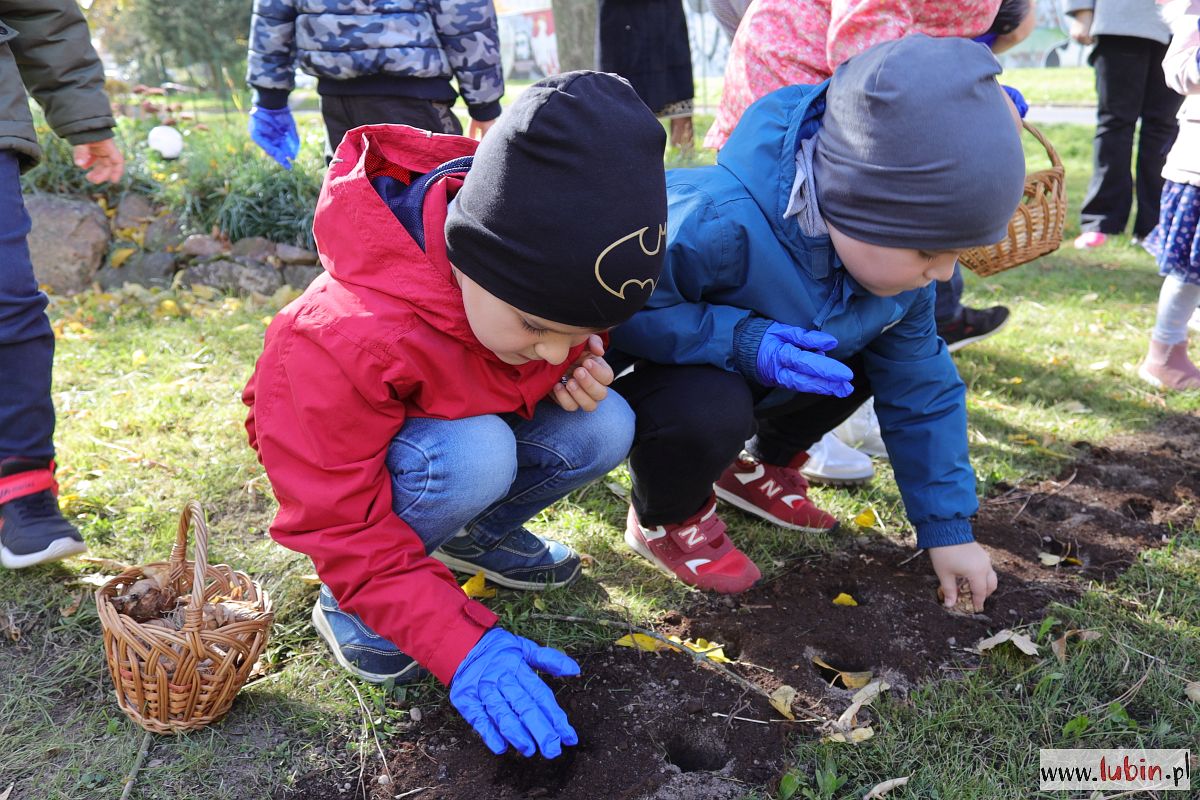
(380,337)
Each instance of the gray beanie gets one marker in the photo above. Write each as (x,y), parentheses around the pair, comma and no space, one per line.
(918,147)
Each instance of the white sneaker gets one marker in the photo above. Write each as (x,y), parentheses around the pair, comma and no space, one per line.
(861,431)
(1194,322)
(830,461)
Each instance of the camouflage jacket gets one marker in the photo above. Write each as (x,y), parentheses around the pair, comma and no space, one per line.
(438,39)
(45,49)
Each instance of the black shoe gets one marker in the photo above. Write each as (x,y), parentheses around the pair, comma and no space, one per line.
(973,325)
(32,529)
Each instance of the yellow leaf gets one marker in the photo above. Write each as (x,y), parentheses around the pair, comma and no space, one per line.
(539,603)
(477,587)
(844,599)
(1020,640)
(169,308)
(1049,559)
(139,358)
(204,292)
(120,256)
(1015,380)
(851,680)
(782,699)
(266,320)
(853,737)
(881,789)
(640,641)
(1193,691)
(866,519)
(711,650)
(310,579)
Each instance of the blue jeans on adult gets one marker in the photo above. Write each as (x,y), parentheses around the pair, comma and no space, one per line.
(484,477)
(26,339)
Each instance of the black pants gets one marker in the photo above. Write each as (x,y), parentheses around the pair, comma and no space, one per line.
(343,112)
(1129,86)
(692,421)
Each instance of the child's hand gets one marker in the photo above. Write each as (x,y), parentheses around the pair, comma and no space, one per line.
(968,561)
(587,379)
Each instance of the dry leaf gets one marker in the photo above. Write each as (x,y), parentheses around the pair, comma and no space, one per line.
(883,788)
(1059,645)
(1192,691)
(477,587)
(146,599)
(70,608)
(139,358)
(9,627)
(844,599)
(109,564)
(120,256)
(868,693)
(851,680)
(782,699)
(852,737)
(1049,559)
(640,641)
(312,579)
(1021,641)
(866,519)
(4,795)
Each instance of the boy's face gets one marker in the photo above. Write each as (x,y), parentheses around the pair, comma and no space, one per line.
(514,336)
(887,271)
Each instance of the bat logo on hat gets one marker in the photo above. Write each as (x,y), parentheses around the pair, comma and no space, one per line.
(639,234)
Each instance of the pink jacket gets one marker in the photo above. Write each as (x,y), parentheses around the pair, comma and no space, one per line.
(783,42)
(1182,70)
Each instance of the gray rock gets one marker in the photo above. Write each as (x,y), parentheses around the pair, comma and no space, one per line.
(68,241)
(200,246)
(163,232)
(133,211)
(300,277)
(233,276)
(144,269)
(254,247)
(290,254)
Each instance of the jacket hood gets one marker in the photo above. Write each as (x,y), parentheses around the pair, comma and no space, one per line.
(761,152)
(359,238)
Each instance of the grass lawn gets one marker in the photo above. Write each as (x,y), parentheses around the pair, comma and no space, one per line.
(147,388)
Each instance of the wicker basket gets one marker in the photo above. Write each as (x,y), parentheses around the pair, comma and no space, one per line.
(1036,228)
(174,681)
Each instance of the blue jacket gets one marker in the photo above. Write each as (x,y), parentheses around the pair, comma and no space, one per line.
(734,265)
(405,47)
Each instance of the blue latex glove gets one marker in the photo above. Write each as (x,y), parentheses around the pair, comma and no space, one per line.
(1017,98)
(795,359)
(274,130)
(498,693)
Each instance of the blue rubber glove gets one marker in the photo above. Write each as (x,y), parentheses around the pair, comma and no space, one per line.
(274,130)
(795,359)
(498,693)
(1017,98)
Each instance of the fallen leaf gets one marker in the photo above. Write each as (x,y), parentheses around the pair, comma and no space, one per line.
(312,579)
(1192,691)
(1090,297)
(640,641)
(852,737)
(169,308)
(883,788)
(844,599)
(1049,559)
(539,603)
(1059,645)
(4,795)
(617,489)
(1096,366)
(70,608)
(866,519)
(110,564)
(9,627)
(476,586)
(120,256)
(95,579)
(782,699)
(865,695)
(851,680)
(1020,640)
(710,650)
(139,358)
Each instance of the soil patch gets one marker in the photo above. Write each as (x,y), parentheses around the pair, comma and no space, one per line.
(646,721)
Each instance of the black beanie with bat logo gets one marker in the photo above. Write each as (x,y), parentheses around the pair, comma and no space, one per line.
(563,212)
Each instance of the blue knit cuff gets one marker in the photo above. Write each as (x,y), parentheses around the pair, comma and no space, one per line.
(942,533)
(747,338)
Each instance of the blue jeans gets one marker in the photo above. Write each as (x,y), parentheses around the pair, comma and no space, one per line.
(947,304)
(491,474)
(26,339)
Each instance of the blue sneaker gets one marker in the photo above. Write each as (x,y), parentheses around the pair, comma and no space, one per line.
(520,560)
(359,649)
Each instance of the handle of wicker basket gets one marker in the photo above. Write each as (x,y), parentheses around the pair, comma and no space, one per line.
(1055,161)
(193,514)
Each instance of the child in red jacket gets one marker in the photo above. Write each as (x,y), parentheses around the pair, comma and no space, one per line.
(420,402)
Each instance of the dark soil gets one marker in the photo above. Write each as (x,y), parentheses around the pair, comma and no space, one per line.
(646,721)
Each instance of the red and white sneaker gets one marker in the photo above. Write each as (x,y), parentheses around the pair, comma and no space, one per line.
(696,551)
(777,494)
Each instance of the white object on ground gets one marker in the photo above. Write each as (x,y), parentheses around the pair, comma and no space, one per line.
(165,140)
(830,461)
(861,431)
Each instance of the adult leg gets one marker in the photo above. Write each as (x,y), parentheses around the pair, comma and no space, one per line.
(1158,131)
(32,529)
(1119,62)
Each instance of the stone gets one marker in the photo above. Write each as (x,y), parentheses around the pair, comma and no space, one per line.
(290,254)
(133,211)
(67,243)
(199,245)
(163,231)
(233,276)
(254,247)
(144,269)
(300,277)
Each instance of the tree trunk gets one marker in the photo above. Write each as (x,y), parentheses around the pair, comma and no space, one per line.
(575,31)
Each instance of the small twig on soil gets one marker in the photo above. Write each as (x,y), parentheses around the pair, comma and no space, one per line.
(1058,488)
(696,657)
(367,714)
(1162,664)
(143,751)
(412,791)
(910,558)
(760,721)
(1127,695)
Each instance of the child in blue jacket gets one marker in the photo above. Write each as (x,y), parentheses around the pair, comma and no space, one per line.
(797,283)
